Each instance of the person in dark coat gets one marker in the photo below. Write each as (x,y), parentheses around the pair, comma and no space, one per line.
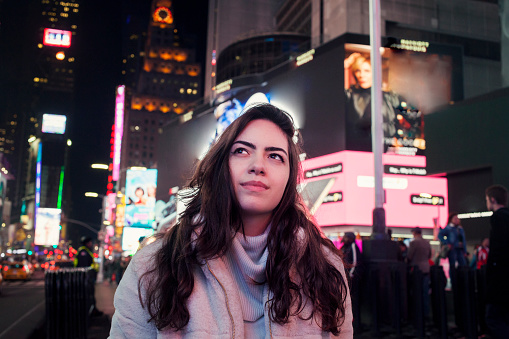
(353,259)
(85,258)
(497,270)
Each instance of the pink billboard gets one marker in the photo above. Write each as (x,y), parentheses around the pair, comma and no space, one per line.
(338,189)
(118,130)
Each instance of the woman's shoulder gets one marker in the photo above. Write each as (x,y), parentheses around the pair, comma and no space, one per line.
(145,255)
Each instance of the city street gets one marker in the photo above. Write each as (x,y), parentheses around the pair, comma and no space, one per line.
(22,307)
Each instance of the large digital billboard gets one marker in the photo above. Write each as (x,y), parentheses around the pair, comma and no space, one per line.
(140,196)
(338,189)
(414,83)
(131,238)
(47,226)
(53,123)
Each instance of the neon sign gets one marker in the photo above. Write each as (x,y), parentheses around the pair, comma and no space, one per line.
(119,131)
(57,37)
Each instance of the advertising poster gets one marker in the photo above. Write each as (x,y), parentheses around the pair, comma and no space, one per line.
(414,83)
(131,238)
(140,191)
(47,226)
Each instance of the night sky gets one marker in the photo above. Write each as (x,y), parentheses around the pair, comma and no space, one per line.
(98,53)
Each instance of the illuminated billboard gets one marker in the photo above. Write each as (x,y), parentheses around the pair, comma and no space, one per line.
(57,37)
(414,83)
(53,123)
(140,197)
(47,226)
(118,130)
(338,189)
(131,238)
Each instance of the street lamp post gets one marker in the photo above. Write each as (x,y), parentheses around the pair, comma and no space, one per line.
(100,234)
(376,119)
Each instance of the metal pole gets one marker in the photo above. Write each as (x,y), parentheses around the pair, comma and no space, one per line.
(377,118)
(100,274)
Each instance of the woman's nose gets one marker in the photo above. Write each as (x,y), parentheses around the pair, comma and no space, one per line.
(257,166)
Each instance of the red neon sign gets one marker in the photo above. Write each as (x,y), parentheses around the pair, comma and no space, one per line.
(57,37)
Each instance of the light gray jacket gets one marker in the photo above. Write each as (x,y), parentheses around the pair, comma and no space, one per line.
(214,306)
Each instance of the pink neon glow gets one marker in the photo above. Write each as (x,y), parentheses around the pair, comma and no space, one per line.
(57,37)
(356,184)
(119,130)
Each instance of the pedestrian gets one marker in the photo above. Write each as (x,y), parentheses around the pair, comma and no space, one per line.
(453,237)
(85,258)
(246,259)
(419,254)
(480,257)
(352,257)
(497,269)
(402,251)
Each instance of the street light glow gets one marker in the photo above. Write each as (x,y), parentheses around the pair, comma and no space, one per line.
(91,194)
(100,166)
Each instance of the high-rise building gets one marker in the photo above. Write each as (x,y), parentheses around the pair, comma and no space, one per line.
(42,78)
(168,84)
(230,21)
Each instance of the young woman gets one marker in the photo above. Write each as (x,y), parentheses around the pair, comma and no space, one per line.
(245,259)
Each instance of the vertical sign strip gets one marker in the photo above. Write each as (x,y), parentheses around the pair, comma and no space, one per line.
(60,188)
(119,130)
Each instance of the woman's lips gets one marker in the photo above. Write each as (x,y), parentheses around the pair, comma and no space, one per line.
(256,186)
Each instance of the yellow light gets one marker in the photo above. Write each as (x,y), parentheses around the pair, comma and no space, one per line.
(36,79)
(39,45)
(31,139)
(60,55)
(91,194)
(69,142)
(100,166)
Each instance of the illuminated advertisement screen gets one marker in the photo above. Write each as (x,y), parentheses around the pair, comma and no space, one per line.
(414,83)
(118,130)
(338,189)
(47,226)
(140,195)
(57,37)
(53,123)
(131,238)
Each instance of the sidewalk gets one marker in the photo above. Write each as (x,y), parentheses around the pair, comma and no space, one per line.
(100,326)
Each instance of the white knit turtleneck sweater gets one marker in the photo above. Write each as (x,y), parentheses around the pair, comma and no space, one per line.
(246,260)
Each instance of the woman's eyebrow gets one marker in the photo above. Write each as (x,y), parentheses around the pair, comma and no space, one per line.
(267,149)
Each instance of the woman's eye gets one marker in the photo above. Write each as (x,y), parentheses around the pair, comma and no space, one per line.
(277,157)
(239,150)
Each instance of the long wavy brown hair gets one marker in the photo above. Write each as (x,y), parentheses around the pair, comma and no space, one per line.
(213,209)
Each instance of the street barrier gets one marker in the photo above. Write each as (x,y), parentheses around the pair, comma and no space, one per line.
(69,298)
(438,299)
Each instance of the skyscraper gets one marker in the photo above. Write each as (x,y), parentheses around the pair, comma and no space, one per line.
(168,84)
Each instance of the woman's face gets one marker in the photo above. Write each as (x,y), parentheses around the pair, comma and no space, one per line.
(259,168)
(363,75)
